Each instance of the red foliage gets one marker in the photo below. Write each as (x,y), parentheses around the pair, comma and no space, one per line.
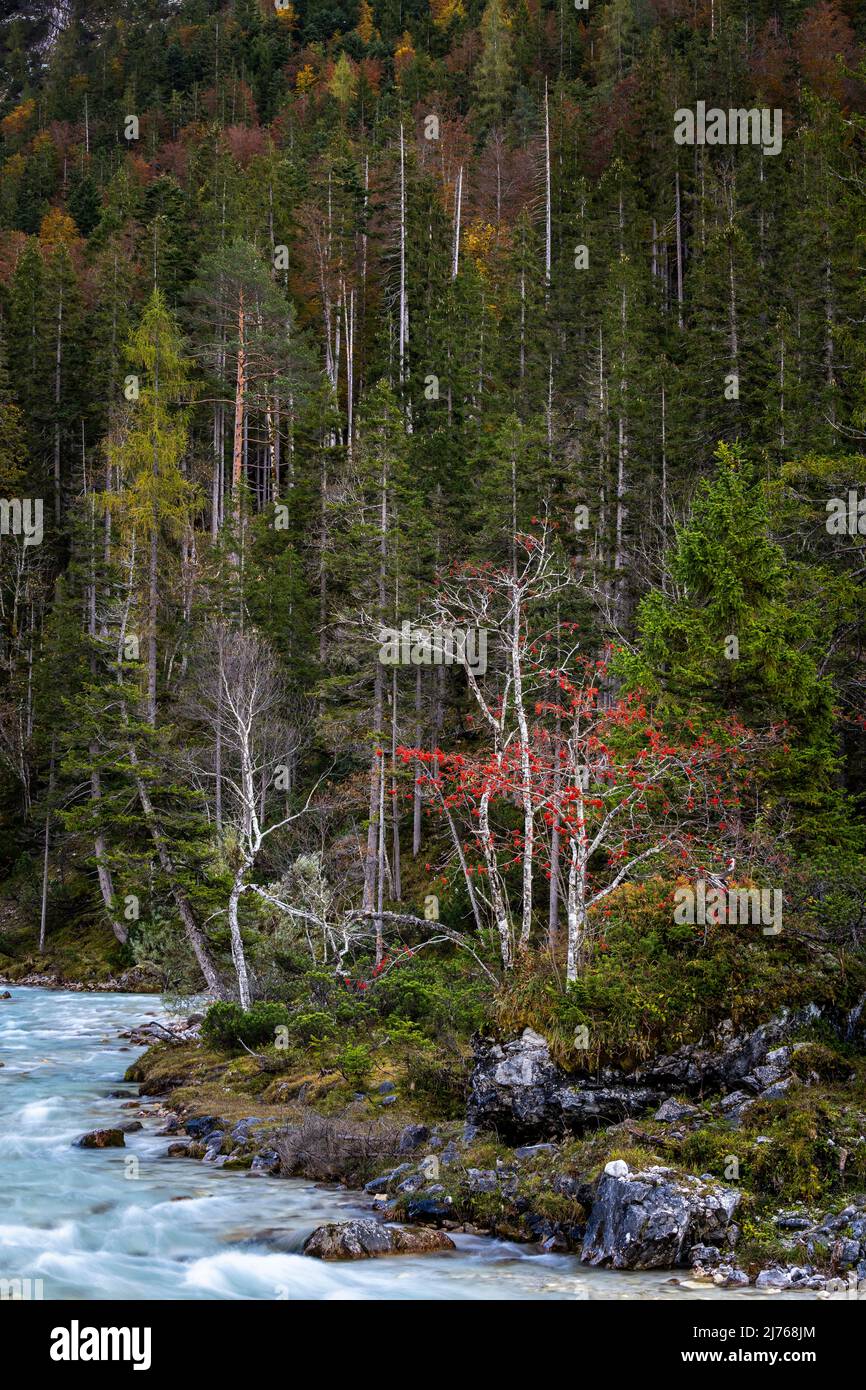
(771,65)
(245,142)
(825,35)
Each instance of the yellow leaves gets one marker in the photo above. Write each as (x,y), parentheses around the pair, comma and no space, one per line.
(479,241)
(288,16)
(306,79)
(445,12)
(344,83)
(57,229)
(18,120)
(365,26)
(14,167)
(149,450)
(403,54)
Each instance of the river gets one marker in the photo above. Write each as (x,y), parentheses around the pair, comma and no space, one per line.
(91,1225)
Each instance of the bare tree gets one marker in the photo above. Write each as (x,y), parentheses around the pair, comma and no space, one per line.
(243,698)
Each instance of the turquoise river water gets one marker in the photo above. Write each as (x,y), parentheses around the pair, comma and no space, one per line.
(91,1224)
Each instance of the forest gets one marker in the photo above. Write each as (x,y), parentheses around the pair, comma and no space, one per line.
(432,557)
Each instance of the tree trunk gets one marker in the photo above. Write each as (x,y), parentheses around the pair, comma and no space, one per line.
(153,572)
(240,405)
(396,883)
(106,883)
(417,799)
(500,911)
(194,934)
(553,902)
(43,914)
(679,236)
(58,366)
(238,956)
(458,201)
(576,913)
(380,866)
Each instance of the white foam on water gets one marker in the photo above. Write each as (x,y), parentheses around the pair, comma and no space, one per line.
(74,1218)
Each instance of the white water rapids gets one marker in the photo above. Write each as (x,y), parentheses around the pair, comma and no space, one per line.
(89,1228)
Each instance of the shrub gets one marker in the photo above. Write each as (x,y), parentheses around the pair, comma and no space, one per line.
(354,1063)
(439,1084)
(312,1025)
(651,985)
(332,1149)
(437,993)
(226,1026)
(814,1060)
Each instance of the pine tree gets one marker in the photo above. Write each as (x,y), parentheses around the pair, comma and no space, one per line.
(494,73)
(731,641)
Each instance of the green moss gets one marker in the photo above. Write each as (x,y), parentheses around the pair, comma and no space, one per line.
(76,952)
(814,1060)
(438,1084)
(547,1202)
(635,1155)
(805,1146)
(657,985)
(760,1244)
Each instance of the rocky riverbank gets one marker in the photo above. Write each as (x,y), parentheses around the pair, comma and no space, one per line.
(595,1165)
(136,980)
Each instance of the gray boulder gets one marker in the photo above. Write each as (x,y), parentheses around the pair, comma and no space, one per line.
(729,1277)
(674,1112)
(653,1219)
(519,1091)
(774,1279)
(412,1137)
(481,1180)
(361,1240)
(412,1184)
(266,1161)
(387,1180)
(202,1126)
(705,1256)
(213,1147)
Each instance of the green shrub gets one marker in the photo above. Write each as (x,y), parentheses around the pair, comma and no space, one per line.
(354,1063)
(802,1161)
(440,1085)
(651,985)
(823,1062)
(403,1033)
(226,1026)
(438,993)
(314,1024)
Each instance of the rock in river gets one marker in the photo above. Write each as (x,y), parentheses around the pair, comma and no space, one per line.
(652,1219)
(359,1240)
(101,1139)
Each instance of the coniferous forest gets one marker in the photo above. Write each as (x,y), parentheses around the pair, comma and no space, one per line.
(432,629)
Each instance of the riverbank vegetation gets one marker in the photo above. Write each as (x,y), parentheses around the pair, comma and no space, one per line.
(331,338)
